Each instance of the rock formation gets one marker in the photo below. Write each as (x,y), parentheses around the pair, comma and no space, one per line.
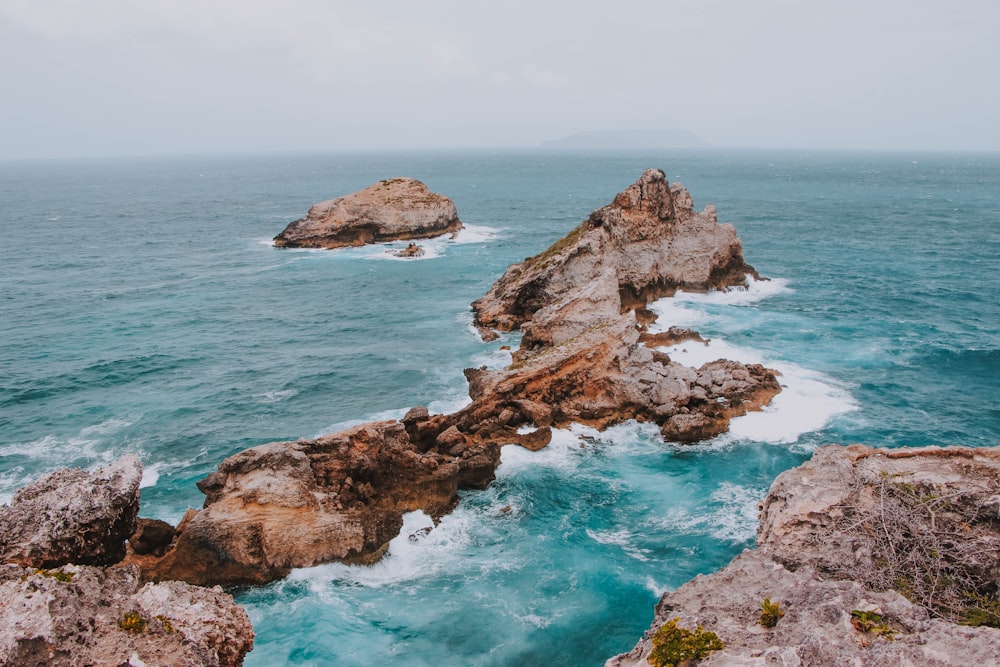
(873,555)
(581,360)
(58,608)
(581,305)
(83,615)
(342,496)
(395,209)
(72,516)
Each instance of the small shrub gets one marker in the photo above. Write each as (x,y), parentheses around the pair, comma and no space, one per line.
(982,610)
(673,645)
(770,613)
(132,622)
(872,623)
(168,627)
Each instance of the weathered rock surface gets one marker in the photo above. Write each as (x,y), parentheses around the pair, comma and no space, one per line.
(581,305)
(72,516)
(648,243)
(341,497)
(836,535)
(74,616)
(391,210)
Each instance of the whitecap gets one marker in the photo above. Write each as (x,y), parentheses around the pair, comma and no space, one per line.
(109,426)
(475,234)
(732,515)
(421,549)
(276,395)
(808,401)
(150,475)
(683,309)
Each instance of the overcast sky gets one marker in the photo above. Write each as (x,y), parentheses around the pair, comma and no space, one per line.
(137,77)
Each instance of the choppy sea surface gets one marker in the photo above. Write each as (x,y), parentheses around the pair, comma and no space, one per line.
(142,309)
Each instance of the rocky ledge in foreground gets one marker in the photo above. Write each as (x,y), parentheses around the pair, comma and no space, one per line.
(396,209)
(872,557)
(583,358)
(58,608)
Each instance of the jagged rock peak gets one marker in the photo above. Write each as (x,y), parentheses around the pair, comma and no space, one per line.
(646,244)
(394,209)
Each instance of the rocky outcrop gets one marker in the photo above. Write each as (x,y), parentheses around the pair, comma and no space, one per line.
(340,497)
(581,305)
(58,608)
(648,243)
(73,516)
(582,359)
(82,615)
(396,209)
(874,557)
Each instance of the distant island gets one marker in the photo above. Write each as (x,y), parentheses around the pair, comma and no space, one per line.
(629,139)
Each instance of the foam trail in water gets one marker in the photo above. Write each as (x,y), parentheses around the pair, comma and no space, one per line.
(807,402)
(682,309)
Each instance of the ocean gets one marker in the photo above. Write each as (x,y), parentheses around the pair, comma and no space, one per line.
(143,309)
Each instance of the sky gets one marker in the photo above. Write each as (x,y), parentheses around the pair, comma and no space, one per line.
(149,77)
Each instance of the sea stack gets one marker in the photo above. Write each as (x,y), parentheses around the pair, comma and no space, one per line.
(395,209)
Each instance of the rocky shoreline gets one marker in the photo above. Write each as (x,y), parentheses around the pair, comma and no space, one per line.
(829,556)
(66,599)
(865,556)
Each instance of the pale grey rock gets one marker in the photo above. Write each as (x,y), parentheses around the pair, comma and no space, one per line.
(811,562)
(71,616)
(73,516)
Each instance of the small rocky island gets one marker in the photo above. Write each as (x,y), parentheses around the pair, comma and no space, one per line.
(396,209)
(872,557)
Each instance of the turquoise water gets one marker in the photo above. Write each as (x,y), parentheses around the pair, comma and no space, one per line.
(143,310)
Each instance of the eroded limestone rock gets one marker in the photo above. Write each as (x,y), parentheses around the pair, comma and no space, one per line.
(396,209)
(823,556)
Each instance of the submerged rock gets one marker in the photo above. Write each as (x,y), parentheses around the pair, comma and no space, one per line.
(412,250)
(82,615)
(872,555)
(396,209)
(73,516)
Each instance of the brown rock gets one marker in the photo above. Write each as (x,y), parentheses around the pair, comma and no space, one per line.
(412,250)
(73,516)
(391,210)
(295,504)
(151,536)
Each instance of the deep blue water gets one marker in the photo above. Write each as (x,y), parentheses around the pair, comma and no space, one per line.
(143,310)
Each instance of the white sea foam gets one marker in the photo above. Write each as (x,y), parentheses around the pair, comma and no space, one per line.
(475,234)
(421,549)
(621,538)
(109,426)
(732,516)
(276,395)
(150,475)
(808,400)
(684,309)
(563,452)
